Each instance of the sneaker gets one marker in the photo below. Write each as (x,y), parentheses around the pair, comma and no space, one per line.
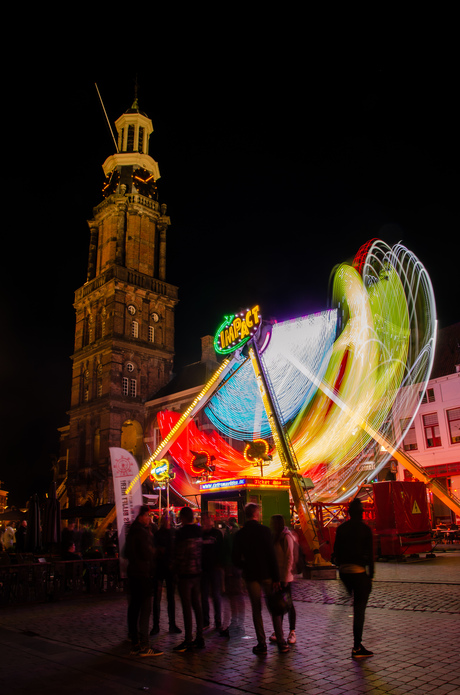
(155,630)
(206,627)
(135,649)
(273,639)
(259,649)
(283,648)
(198,643)
(360,652)
(174,630)
(183,647)
(291,637)
(149,651)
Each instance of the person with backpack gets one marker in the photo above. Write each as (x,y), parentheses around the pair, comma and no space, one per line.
(284,544)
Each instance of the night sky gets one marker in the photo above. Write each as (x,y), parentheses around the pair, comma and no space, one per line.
(280,154)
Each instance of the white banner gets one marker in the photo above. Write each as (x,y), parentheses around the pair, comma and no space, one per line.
(124,470)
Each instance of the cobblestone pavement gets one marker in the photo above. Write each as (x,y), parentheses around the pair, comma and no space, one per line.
(412,625)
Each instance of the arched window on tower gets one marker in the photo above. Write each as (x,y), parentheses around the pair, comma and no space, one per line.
(135,329)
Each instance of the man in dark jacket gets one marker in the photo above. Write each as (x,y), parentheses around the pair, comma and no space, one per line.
(253,552)
(187,561)
(353,553)
(140,553)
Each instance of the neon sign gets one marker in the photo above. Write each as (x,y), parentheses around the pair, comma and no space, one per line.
(160,472)
(246,482)
(236,330)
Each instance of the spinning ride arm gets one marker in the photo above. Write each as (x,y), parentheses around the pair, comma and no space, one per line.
(287,457)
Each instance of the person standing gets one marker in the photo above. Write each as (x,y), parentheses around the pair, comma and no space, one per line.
(164,544)
(253,552)
(233,585)
(140,553)
(211,576)
(21,533)
(353,554)
(187,561)
(284,551)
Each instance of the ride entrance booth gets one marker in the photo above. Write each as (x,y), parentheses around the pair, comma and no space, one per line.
(225,498)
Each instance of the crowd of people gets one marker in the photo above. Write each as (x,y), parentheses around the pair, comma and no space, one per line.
(213,568)
(210,567)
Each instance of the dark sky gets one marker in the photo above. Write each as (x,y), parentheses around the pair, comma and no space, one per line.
(280,154)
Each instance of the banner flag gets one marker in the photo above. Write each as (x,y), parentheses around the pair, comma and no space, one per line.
(124,470)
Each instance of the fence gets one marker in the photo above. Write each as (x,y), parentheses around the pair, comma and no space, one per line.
(56,579)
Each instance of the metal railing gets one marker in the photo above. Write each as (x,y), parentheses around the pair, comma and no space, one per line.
(58,579)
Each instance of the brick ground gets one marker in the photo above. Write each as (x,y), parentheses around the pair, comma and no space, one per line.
(412,624)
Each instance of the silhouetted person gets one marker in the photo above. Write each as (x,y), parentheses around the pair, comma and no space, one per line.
(187,562)
(140,553)
(164,544)
(253,552)
(353,554)
(211,576)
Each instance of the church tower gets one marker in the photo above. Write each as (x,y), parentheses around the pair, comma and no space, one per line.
(124,336)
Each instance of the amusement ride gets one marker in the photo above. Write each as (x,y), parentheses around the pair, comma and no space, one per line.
(310,399)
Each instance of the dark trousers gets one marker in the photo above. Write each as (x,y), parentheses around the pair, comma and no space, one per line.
(360,586)
(255,591)
(139,608)
(211,585)
(291,613)
(168,579)
(190,596)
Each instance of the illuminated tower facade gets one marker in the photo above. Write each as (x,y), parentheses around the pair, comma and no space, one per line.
(124,336)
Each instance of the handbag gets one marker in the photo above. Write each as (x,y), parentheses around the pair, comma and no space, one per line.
(279,602)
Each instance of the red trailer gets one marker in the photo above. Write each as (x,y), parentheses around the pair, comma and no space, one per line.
(396,511)
(402,522)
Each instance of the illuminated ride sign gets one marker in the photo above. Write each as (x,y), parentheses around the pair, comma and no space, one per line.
(160,471)
(236,330)
(245,482)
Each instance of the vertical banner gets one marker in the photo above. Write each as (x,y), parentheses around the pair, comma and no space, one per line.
(124,470)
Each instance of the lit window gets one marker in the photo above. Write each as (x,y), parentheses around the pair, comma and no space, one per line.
(125,386)
(133,388)
(453,418)
(432,432)
(410,440)
(135,329)
(151,334)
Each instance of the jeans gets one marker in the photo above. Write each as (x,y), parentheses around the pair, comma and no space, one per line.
(139,608)
(360,586)
(255,589)
(190,596)
(211,584)
(168,578)
(291,613)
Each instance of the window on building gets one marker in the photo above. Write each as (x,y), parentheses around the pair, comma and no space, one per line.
(141,139)
(125,386)
(410,440)
(135,329)
(453,419)
(133,388)
(432,432)
(151,334)
(428,396)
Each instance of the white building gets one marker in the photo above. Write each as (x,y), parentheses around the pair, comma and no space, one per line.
(433,439)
